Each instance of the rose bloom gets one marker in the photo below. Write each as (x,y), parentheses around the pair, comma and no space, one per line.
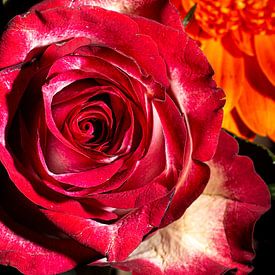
(111,146)
(238,38)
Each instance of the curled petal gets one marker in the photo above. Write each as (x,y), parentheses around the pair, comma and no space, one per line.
(233,123)
(264,45)
(244,41)
(37,253)
(192,87)
(66,24)
(115,241)
(256,105)
(159,10)
(229,70)
(215,233)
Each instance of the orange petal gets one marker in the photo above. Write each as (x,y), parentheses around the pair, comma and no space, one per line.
(256,105)
(188,4)
(233,123)
(244,41)
(193,28)
(265,46)
(272,136)
(229,70)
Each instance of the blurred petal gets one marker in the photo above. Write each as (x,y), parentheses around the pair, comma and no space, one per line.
(187,5)
(244,41)
(229,70)
(233,123)
(215,233)
(256,105)
(265,45)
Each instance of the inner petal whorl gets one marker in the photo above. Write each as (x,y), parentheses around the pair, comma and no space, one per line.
(90,125)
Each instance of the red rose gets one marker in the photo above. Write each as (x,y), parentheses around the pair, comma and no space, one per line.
(109,123)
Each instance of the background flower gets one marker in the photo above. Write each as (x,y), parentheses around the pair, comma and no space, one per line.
(238,38)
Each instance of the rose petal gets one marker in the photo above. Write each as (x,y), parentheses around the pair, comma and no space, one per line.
(115,241)
(215,233)
(126,65)
(192,86)
(156,153)
(13,83)
(138,197)
(38,192)
(176,134)
(149,8)
(33,253)
(60,24)
(189,188)
(87,178)
(57,50)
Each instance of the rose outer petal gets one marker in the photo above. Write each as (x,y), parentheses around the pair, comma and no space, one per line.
(215,233)
(31,253)
(192,86)
(115,241)
(146,8)
(56,25)
(198,99)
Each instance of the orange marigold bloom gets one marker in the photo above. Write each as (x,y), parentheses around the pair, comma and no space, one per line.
(238,37)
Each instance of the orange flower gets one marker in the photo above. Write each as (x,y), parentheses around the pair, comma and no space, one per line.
(238,37)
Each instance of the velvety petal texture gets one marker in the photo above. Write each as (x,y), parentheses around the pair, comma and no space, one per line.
(214,234)
(107,131)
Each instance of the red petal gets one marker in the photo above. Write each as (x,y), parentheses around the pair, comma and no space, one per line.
(147,170)
(215,233)
(60,24)
(158,10)
(188,188)
(115,241)
(137,197)
(36,253)
(192,85)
